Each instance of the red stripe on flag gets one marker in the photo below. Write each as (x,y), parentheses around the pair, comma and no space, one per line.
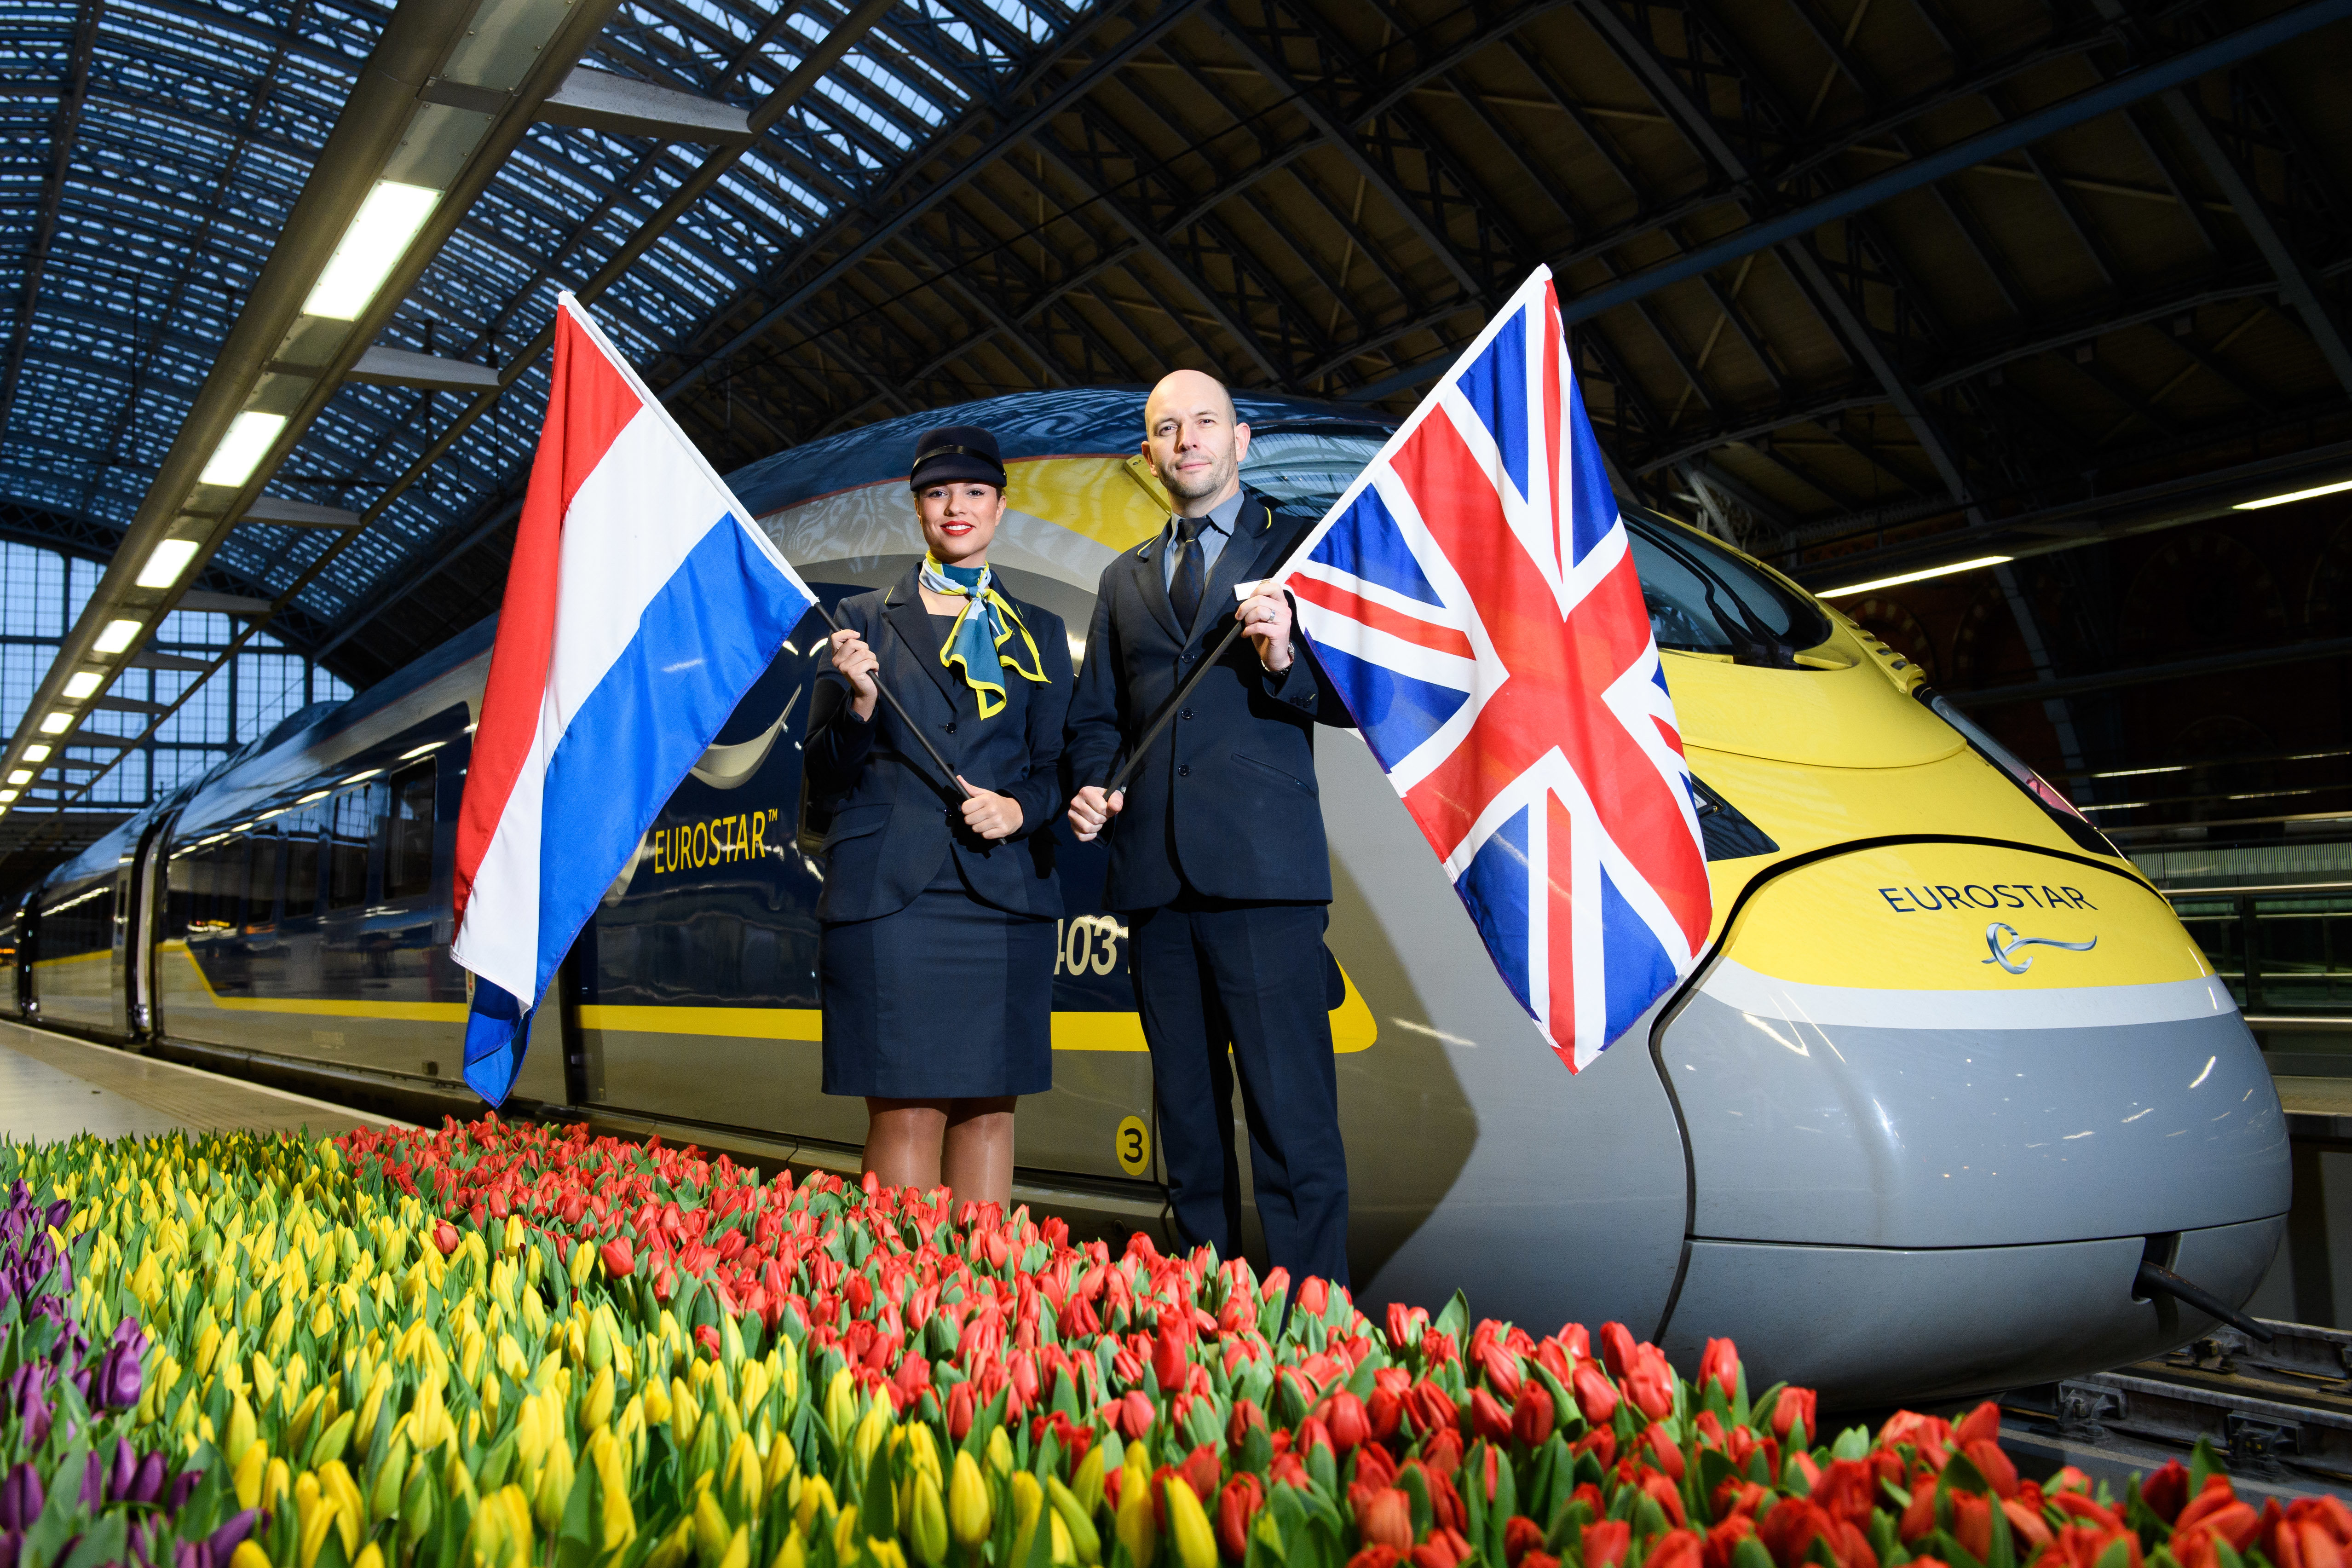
(588,403)
(1381,619)
(1560,972)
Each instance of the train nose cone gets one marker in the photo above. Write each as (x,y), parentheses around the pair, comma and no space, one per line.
(1941,1100)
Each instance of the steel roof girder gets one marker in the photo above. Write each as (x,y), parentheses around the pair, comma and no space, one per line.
(599,100)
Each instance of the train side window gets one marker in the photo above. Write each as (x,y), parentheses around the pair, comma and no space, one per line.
(261,880)
(408,833)
(351,833)
(229,862)
(180,882)
(302,864)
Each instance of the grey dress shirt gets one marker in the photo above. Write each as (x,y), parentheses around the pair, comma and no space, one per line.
(1216,530)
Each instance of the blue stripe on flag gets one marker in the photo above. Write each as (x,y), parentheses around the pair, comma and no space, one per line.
(1494,888)
(1393,712)
(1496,386)
(702,641)
(497,1032)
(1593,505)
(1365,542)
(1635,969)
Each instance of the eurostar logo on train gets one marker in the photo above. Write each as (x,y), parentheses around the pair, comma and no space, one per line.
(1978,895)
(715,841)
(2002,937)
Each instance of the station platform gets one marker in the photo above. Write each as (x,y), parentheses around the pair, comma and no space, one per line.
(53,1087)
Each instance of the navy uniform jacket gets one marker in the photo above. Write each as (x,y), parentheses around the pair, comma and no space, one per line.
(1225,800)
(894,815)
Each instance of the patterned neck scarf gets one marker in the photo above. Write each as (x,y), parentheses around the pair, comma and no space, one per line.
(982,628)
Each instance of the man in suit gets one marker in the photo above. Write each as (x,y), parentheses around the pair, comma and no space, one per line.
(1217,858)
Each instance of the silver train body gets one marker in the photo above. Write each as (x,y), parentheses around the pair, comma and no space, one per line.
(1893,1151)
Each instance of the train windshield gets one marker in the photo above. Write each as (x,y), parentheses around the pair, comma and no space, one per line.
(1705,599)
(1702,597)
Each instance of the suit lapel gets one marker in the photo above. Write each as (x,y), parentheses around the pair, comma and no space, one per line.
(1237,562)
(1152,570)
(905,612)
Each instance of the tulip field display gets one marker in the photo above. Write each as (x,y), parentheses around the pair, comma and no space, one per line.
(503,1345)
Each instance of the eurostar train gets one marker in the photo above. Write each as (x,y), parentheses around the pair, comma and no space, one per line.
(1949,1072)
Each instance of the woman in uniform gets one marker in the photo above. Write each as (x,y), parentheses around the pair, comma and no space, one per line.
(936,964)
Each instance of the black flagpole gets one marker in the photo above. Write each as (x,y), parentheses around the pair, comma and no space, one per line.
(1168,712)
(904,717)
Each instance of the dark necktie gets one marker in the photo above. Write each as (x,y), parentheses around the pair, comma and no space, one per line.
(1185,591)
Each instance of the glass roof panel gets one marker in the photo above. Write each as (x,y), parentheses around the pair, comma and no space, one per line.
(195,134)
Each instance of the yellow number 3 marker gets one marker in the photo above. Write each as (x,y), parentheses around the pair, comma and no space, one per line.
(1133,1142)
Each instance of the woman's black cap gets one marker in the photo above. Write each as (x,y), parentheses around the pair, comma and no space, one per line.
(956,452)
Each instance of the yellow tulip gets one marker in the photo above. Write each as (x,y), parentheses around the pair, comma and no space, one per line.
(1188,1526)
(313,1532)
(1000,1452)
(711,1531)
(792,1553)
(674,1547)
(351,1512)
(1133,1523)
(597,1408)
(613,1485)
(845,1532)
(971,1511)
(816,1493)
(247,1475)
(554,1488)
(1088,1485)
(743,1482)
(1085,1542)
(886,1554)
(248,1555)
(242,1430)
(1028,1503)
(277,1481)
(930,1518)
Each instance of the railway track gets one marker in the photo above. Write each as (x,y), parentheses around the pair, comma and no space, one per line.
(2279,1414)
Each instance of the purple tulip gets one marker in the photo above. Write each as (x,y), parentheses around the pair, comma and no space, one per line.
(182,1485)
(118,1474)
(11,1543)
(21,1498)
(148,1483)
(191,1555)
(223,1541)
(119,1377)
(93,1482)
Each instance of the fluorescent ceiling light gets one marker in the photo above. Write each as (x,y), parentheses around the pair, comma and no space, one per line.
(2293,495)
(268,815)
(368,775)
(420,751)
(56,723)
(36,753)
(314,794)
(21,776)
(82,683)
(371,248)
(165,562)
(118,635)
(241,451)
(1919,576)
(7,794)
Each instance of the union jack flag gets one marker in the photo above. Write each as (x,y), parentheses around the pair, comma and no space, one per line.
(1473,597)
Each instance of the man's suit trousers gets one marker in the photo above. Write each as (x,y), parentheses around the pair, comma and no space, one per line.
(1222,985)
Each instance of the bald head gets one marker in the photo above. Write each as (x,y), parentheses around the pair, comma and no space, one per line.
(1193,440)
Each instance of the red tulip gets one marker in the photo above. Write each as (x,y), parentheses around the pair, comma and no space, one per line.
(1488,1419)
(1314,1295)
(1650,1383)
(1594,1396)
(1521,1535)
(2165,1492)
(1345,1417)
(1792,1406)
(1983,1422)
(1720,1366)
(1377,1557)
(1532,1417)
(959,1411)
(1668,1496)
(2217,1500)
(1664,1455)
(1200,1470)
(1606,1542)
(1616,1349)
(1993,1466)
(1384,1518)
(1238,1504)
(1676,1549)
(1405,1324)
(1724,1538)
(1502,1370)
(2082,1545)
(445,1236)
(620,1260)
(1170,1351)
(2032,1532)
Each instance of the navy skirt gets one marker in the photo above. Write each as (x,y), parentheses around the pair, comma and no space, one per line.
(949,998)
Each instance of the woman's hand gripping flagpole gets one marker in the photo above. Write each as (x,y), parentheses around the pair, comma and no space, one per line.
(904,717)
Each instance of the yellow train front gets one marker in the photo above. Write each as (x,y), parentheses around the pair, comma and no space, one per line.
(1949,1072)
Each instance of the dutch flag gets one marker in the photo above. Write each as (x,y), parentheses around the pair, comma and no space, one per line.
(640,606)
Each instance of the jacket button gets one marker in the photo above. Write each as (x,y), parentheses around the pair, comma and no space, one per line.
(1184,770)
(950,726)
(1187,713)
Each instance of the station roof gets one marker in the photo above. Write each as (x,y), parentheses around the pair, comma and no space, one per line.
(1861,285)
